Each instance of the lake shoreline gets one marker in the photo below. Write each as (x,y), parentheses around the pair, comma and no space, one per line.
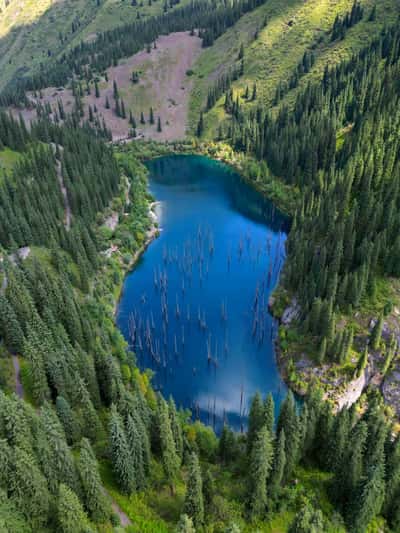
(152,233)
(271,256)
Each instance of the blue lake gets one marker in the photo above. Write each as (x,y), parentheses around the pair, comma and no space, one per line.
(195,308)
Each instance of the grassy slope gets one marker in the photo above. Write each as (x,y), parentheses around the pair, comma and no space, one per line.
(280,47)
(7,159)
(29,28)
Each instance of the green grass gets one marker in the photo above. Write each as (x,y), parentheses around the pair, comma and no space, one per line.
(8,158)
(143,518)
(274,55)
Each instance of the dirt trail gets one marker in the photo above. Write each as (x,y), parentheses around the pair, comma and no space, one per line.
(19,390)
(165,83)
(124,518)
(125,521)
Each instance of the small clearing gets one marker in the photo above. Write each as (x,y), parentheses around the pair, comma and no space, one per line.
(164,83)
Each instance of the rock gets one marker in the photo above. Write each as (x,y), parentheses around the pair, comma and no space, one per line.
(354,390)
(291,313)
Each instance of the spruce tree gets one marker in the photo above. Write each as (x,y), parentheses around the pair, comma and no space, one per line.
(254,92)
(68,420)
(120,454)
(256,420)
(269,413)
(307,520)
(169,457)
(56,458)
(11,519)
(96,503)
(200,125)
(259,469)
(288,421)
(376,333)
(70,515)
(369,500)
(115,90)
(194,505)
(135,444)
(176,427)
(278,467)
(28,489)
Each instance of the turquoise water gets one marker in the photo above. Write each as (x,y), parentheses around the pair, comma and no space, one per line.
(195,308)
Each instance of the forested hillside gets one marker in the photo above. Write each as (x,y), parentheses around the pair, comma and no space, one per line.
(335,141)
(280,48)
(33,32)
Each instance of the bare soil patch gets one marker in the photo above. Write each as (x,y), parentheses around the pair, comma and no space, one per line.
(164,84)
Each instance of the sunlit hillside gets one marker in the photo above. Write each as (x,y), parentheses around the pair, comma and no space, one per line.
(31,31)
(275,38)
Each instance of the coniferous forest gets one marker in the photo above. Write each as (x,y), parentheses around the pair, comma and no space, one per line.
(86,442)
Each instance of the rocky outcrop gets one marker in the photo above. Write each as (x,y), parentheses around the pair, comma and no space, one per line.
(391,390)
(291,313)
(353,390)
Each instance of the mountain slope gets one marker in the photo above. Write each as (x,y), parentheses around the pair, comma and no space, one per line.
(31,31)
(292,28)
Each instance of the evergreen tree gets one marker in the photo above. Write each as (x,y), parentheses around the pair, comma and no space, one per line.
(260,466)
(370,499)
(254,92)
(269,413)
(115,90)
(200,126)
(70,515)
(170,459)
(288,421)
(376,333)
(176,427)
(278,467)
(68,420)
(29,489)
(11,520)
(95,500)
(123,112)
(194,506)
(135,444)
(256,420)
(227,445)
(208,488)
(308,520)
(362,362)
(120,454)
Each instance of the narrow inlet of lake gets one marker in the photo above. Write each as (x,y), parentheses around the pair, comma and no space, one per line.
(195,308)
